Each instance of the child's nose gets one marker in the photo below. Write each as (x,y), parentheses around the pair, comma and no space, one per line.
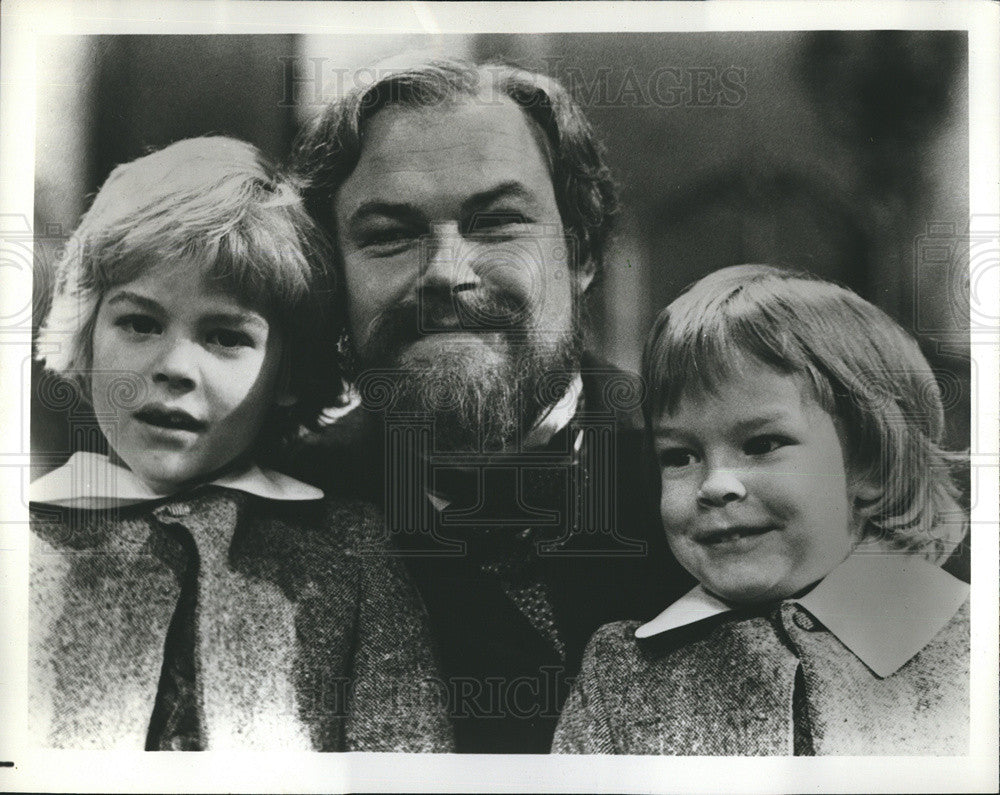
(176,367)
(721,487)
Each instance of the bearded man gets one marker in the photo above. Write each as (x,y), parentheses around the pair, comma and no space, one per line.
(469,206)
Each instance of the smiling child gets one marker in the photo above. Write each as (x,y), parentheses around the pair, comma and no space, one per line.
(183,597)
(796,430)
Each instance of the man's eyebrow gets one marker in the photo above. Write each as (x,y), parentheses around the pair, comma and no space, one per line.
(398,210)
(505,190)
(408,213)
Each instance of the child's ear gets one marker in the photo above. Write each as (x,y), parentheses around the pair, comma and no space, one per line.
(864,489)
(864,492)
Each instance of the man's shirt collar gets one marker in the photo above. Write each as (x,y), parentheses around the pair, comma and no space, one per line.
(556,418)
(553,421)
(92,481)
(883,606)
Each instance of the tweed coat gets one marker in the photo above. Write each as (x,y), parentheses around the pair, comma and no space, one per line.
(553,541)
(304,634)
(778,681)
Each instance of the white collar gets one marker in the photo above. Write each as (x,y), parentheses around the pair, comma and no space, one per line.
(883,606)
(556,418)
(92,481)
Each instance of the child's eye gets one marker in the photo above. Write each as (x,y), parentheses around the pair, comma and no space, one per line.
(228,338)
(762,445)
(138,324)
(676,457)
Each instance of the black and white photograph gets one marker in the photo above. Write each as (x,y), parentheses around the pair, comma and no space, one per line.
(500,397)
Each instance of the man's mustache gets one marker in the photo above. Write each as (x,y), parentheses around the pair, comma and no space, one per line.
(435,311)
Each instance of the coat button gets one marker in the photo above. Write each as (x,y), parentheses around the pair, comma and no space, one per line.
(804,621)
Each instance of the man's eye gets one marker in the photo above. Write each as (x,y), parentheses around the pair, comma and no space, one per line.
(676,457)
(228,338)
(138,324)
(387,236)
(486,222)
(762,445)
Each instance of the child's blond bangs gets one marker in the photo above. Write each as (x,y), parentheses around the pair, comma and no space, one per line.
(212,207)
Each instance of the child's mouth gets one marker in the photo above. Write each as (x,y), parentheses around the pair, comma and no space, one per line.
(730,534)
(175,420)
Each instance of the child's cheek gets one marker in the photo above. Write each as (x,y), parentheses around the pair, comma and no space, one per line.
(115,383)
(676,505)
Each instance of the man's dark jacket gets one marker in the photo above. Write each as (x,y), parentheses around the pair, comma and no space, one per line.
(534,551)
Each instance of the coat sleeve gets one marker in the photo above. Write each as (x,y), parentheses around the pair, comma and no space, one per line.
(584,726)
(398,697)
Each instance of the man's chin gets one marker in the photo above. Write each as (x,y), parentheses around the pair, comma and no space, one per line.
(467,382)
(481,389)
(460,342)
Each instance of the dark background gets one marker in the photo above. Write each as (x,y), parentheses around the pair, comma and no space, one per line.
(845,153)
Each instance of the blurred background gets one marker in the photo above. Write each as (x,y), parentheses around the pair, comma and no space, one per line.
(844,153)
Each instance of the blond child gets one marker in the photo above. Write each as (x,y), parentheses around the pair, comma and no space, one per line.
(182,596)
(796,429)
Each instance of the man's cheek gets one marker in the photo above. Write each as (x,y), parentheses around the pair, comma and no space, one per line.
(360,324)
(511,274)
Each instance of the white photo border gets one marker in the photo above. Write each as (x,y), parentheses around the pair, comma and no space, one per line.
(26,20)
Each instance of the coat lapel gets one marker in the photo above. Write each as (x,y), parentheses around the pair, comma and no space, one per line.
(245,635)
(101,601)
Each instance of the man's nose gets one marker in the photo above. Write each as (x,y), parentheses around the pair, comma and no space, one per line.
(449,260)
(176,366)
(720,487)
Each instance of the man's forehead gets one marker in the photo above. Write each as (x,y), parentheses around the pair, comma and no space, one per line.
(481,121)
(463,147)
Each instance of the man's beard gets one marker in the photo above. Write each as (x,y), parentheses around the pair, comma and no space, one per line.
(482,394)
